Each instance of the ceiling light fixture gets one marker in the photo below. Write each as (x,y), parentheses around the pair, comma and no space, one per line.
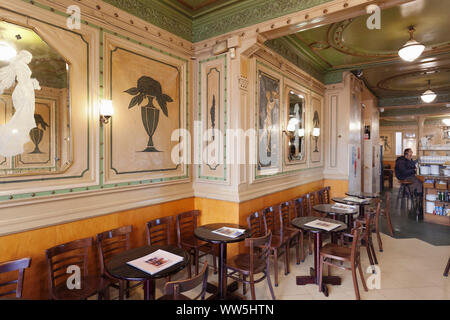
(7,52)
(428,96)
(412,49)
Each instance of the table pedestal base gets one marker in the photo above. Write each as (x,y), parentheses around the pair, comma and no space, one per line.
(212,288)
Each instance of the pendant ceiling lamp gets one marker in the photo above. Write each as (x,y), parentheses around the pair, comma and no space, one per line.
(428,96)
(412,49)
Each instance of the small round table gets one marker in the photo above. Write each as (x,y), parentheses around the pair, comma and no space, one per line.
(206,233)
(335,212)
(313,278)
(363,195)
(353,203)
(118,267)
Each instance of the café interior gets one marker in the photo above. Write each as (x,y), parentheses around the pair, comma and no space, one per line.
(224,149)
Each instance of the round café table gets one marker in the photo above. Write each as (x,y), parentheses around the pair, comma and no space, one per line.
(363,195)
(206,233)
(336,212)
(118,267)
(361,205)
(313,278)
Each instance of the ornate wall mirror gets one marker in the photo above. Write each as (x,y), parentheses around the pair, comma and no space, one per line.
(295,126)
(49,148)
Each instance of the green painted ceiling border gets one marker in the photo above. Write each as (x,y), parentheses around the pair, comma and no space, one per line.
(246,13)
(211,22)
(411,101)
(414,111)
(387,123)
(159,14)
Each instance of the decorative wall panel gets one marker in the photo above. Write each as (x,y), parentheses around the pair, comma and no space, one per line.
(148,91)
(213,113)
(316,129)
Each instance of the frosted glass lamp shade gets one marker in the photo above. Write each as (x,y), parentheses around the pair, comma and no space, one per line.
(411,50)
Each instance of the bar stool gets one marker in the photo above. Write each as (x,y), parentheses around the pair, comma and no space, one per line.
(404,190)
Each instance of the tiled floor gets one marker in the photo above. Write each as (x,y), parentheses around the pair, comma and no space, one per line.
(410,269)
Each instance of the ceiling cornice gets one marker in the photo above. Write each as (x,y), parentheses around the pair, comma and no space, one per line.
(212,22)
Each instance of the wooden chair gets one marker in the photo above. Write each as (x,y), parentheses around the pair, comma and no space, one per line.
(368,226)
(280,241)
(186,223)
(331,252)
(173,290)
(255,224)
(299,205)
(295,235)
(10,266)
(386,213)
(110,243)
(324,195)
(447,268)
(252,263)
(158,233)
(59,259)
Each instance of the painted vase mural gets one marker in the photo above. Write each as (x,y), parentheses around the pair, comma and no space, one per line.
(151,89)
(36,134)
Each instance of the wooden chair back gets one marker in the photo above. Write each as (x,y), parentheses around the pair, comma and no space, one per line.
(175,288)
(61,257)
(255,224)
(325,195)
(5,284)
(311,201)
(259,250)
(111,243)
(357,233)
(186,223)
(299,207)
(158,231)
(272,221)
(285,214)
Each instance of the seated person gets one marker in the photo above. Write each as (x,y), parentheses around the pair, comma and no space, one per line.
(405,169)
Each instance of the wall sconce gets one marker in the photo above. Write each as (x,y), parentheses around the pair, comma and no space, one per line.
(316,132)
(106,111)
(7,52)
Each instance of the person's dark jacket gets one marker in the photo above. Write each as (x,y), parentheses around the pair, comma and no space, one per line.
(404,168)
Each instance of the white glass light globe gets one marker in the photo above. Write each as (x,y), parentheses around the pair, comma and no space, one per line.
(428,96)
(411,50)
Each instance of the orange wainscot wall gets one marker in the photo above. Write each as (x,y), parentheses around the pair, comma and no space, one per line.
(34,243)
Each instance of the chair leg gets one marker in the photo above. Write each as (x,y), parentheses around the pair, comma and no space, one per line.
(244,285)
(361,274)
(121,289)
(252,286)
(389,222)
(372,248)
(369,253)
(214,264)
(127,292)
(286,259)
(377,230)
(196,261)
(355,282)
(310,243)
(302,248)
(297,249)
(447,268)
(275,266)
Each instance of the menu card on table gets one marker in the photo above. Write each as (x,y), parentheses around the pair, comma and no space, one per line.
(319,224)
(344,207)
(229,232)
(355,199)
(156,261)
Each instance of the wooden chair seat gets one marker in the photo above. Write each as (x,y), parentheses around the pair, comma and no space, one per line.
(241,263)
(194,242)
(173,290)
(331,250)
